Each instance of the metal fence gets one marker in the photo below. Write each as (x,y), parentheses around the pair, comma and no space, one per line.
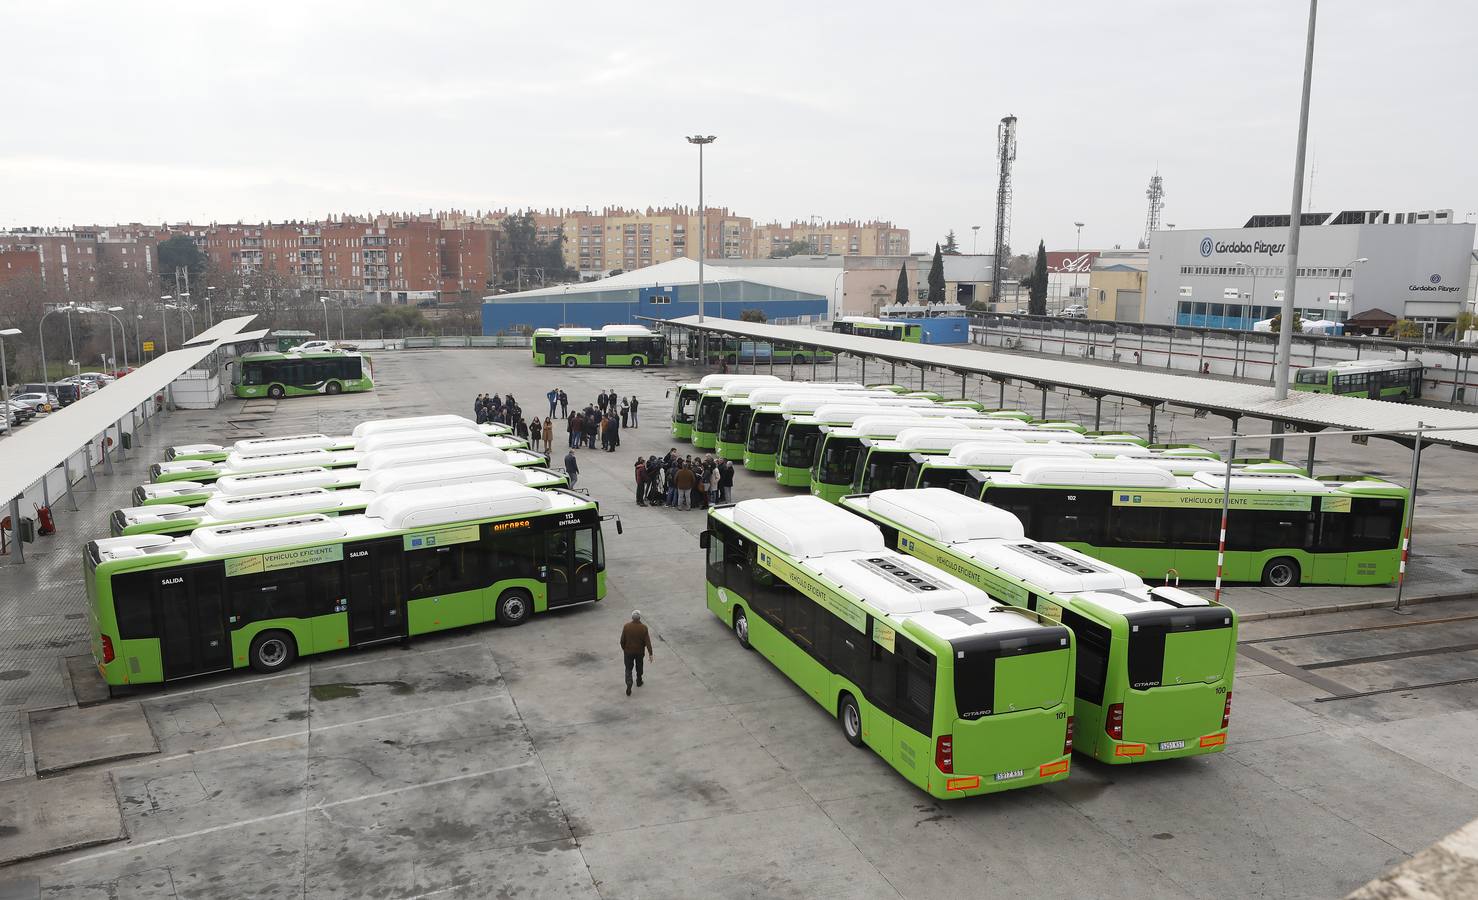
(467,340)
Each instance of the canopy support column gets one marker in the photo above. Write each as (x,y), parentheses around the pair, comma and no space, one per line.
(17,547)
(67,474)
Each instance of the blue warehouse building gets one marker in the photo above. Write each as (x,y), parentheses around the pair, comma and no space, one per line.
(665,291)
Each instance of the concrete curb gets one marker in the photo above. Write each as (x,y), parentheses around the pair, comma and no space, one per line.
(1349,607)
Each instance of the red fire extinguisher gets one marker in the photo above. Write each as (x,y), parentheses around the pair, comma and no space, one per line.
(44,522)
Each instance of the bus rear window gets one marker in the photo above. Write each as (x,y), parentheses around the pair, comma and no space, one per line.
(988,680)
(1178,647)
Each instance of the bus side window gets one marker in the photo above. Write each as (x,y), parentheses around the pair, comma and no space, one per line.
(767,600)
(717,571)
(1094,641)
(913,685)
(273,595)
(736,555)
(849,653)
(133,604)
(1139,525)
(1375,523)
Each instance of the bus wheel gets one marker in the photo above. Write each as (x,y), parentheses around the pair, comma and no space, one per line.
(333,387)
(637,362)
(1280,572)
(741,628)
(800,359)
(272,651)
(731,359)
(276,392)
(514,607)
(571,362)
(851,718)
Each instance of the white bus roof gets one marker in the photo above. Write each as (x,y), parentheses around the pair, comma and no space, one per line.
(1352,366)
(809,403)
(375,442)
(286,479)
(774,393)
(283,459)
(448,451)
(231,507)
(1107,472)
(843,413)
(942,515)
(713,382)
(889,424)
(805,526)
(410,423)
(905,402)
(256,446)
(931,438)
(1003,454)
(627,331)
(1257,482)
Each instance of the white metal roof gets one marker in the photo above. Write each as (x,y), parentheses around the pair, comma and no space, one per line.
(257,446)
(937,439)
(942,515)
(259,482)
(458,503)
(1092,472)
(806,526)
(1003,454)
(411,423)
(35,450)
(372,443)
(1301,408)
(898,585)
(714,382)
(446,451)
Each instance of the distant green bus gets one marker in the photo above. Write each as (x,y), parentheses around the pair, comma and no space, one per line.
(628,346)
(960,694)
(261,594)
(735,352)
(279,375)
(1154,664)
(868,326)
(1283,529)
(1392,379)
(710,407)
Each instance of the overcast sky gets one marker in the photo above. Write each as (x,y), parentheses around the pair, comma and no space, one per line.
(170,111)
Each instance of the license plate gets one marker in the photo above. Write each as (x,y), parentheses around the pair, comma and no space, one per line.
(1172,745)
(1007,776)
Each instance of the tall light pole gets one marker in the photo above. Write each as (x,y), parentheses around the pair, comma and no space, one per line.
(1078,249)
(340,304)
(1285,333)
(974,239)
(41,332)
(210,318)
(323,301)
(184,304)
(109,312)
(165,319)
(5,372)
(138,336)
(72,342)
(701,140)
(1340,284)
(1252,298)
(836,301)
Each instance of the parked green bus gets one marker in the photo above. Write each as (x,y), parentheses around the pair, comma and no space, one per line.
(961,694)
(176,520)
(203,471)
(841,451)
(733,352)
(1377,379)
(629,346)
(254,446)
(710,407)
(869,326)
(800,443)
(263,593)
(1154,664)
(768,421)
(279,375)
(1283,529)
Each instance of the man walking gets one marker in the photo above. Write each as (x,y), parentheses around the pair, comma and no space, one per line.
(564,404)
(553,398)
(634,639)
(572,467)
(633,412)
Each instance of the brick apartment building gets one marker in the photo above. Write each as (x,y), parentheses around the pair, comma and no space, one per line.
(74,261)
(873,238)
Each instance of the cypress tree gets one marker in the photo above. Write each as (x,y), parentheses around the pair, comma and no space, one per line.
(901,295)
(936,277)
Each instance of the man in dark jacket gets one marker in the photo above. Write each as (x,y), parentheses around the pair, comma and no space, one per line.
(726,481)
(634,639)
(634,423)
(564,404)
(572,467)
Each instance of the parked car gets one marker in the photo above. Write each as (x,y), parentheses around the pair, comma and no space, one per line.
(1074,312)
(65,392)
(36,401)
(21,411)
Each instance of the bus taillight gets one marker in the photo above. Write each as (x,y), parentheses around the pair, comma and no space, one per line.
(944,754)
(1113,723)
(1226,711)
(107,649)
(1067,740)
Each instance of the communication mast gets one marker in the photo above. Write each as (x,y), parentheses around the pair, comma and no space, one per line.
(1156,193)
(1005,155)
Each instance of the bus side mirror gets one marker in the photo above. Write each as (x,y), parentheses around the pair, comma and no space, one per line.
(703,540)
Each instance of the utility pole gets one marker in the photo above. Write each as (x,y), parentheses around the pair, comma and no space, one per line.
(1006,155)
(702,141)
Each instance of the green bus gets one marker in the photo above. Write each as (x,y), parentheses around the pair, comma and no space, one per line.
(768,421)
(629,346)
(960,694)
(733,352)
(222,508)
(205,472)
(1154,664)
(685,399)
(841,451)
(1377,379)
(801,440)
(263,593)
(710,407)
(256,446)
(869,326)
(279,375)
(732,440)
(1283,529)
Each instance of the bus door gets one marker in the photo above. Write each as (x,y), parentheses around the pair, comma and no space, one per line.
(597,351)
(547,347)
(376,581)
(189,617)
(569,566)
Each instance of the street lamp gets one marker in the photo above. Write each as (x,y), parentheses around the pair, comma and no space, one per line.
(340,304)
(41,330)
(111,345)
(974,239)
(1078,251)
(1253,297)
(165,319)
(1339,297)
(701,140)
(210,318)
(836,301)
(5,372)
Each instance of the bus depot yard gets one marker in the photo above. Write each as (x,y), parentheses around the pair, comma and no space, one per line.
(488,761)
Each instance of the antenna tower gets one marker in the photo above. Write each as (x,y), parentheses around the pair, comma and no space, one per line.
(1156,193)
(1005,155)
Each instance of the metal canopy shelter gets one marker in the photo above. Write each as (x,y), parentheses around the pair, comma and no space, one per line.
(1304,411)
(29,455)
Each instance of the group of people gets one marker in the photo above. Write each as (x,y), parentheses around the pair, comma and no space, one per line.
(683,482)
(599,421)
(505,410)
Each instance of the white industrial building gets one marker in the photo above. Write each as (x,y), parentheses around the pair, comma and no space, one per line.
(1362,264)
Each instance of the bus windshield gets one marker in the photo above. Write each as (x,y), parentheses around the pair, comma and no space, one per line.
(1313,376)
(764,433)
(886,469)
(838,460)
(687,403)
(1183,646)
(1030,679)
(735,424)
(800,446)
(708,413)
